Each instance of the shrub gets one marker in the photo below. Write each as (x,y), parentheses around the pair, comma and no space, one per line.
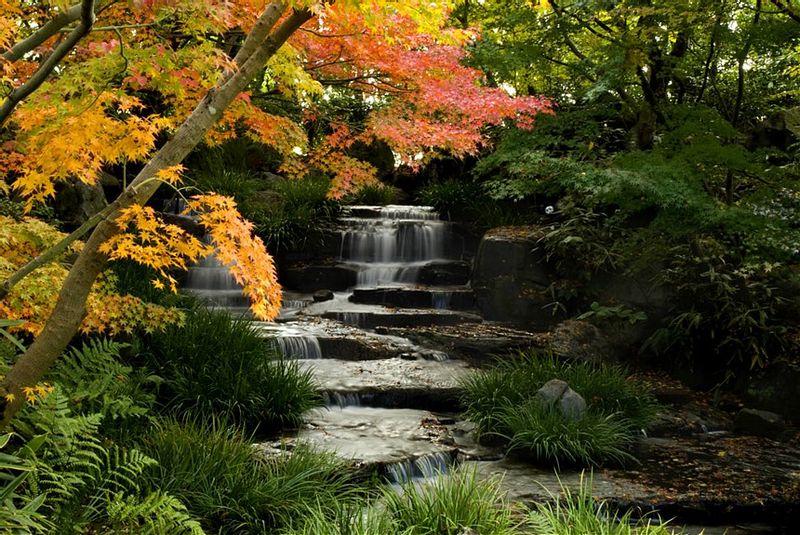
(501,401)
(448,505)
(219,365)
(547,436)
(373,194)
(222,480)
(463,200)
(300,211)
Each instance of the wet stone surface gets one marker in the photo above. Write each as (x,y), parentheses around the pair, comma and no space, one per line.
(392,382)
(477,343)
(373,437)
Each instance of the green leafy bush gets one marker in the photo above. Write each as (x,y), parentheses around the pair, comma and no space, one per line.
(501,401)
(373,194)
(215,364)
(297,214)
(82,483)
(218,474)
(466,201)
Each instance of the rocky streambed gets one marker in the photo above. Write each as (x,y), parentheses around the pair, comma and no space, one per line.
(391,340)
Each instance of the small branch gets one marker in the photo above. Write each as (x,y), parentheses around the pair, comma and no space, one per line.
(787,10)
(114,28)
(44,33)
(53,252)
(331,35)
(22,92)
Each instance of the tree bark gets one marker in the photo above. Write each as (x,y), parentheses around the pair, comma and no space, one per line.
(260,45)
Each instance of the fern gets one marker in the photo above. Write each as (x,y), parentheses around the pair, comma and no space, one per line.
(155,514)
(97,381)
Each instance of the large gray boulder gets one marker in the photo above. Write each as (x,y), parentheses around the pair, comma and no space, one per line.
(759,423)
(557,394)
(510,277)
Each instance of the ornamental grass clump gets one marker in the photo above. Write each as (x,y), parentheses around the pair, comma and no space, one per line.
(216,364)
(502,402)
(576,512)
(231,488)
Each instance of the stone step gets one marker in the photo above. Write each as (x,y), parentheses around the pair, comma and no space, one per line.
(445,298)
(390,383)
(398,443)
(401,318)
(311,277)
(333,340)
(342,276)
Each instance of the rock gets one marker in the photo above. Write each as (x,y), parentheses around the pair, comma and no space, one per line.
(77,202)
(557,393)
(511,277)
(446,273)
(552,391)
(310,278)
(572,405)
(777,388)
(580,340)
(322,295)
(758,423)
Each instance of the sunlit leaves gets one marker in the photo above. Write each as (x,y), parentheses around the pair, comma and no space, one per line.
(32,299)
(243,252)
(151,242)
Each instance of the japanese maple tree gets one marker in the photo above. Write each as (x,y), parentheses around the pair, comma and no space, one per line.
(137,85)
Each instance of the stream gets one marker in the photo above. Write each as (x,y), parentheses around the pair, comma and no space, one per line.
(392,404)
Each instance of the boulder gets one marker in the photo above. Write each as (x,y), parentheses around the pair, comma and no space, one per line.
(310,278)
(445,273)
(551,392)
(758,423)
(557,393)
(511,277)
(777,388)
(572,405)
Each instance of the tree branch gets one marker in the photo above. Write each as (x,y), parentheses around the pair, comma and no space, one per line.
(44,33)
(787,10)
(22,92)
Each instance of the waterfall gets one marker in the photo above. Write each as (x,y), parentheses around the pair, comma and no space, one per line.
(425,466)
(341,400)
(299,346)
(392,246)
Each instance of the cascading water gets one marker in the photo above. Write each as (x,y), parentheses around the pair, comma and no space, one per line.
(424,467)
(299,346)
(211,281)
(391,246)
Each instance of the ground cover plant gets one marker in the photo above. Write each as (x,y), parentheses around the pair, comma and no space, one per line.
(502,402)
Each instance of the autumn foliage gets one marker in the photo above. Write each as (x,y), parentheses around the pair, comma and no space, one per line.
(130,83)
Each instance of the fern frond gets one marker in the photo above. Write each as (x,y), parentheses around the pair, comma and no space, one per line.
(155,514)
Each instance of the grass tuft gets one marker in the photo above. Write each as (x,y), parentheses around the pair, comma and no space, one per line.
(577,513)
(501,402)
(215,364)
(217,473)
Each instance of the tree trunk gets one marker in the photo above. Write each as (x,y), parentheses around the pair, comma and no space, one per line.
(68,313)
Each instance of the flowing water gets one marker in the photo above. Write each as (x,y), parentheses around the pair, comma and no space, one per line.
(392,246)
